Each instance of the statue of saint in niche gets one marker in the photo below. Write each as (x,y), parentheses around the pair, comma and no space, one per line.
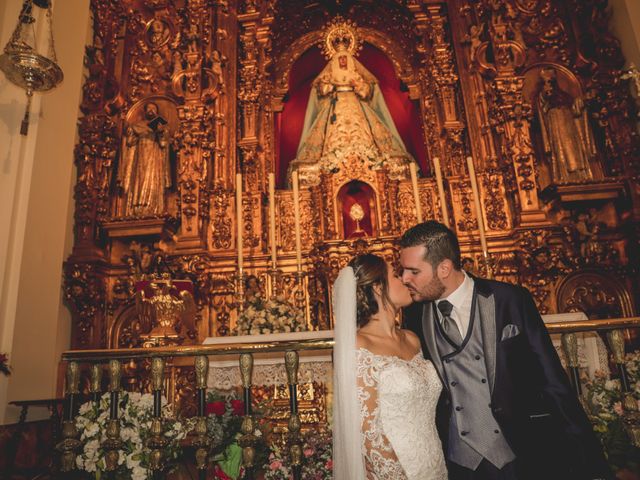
(566,135)
(144,172)
(347,119)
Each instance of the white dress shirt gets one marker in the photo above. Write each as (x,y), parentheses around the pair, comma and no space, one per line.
(461,299)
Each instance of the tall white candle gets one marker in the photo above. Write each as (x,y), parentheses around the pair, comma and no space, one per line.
(239,220)
(272,219)
(296,214)
(416,194)
(440,185)
(476,201)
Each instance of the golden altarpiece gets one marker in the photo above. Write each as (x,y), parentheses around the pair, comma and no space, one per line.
(182,95)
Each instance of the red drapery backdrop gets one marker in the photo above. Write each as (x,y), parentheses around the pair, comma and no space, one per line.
(289,123)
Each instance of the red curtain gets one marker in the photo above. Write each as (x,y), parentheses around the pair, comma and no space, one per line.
(289,123)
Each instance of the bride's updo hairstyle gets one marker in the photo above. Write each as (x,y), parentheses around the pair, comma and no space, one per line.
(370,272)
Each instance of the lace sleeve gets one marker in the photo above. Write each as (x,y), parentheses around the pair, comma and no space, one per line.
(381,461)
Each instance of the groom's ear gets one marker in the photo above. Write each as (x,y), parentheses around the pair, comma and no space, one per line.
(445,267)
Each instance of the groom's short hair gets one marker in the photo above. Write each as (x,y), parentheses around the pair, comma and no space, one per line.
(439,241)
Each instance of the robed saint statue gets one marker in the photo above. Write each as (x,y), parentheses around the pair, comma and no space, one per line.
(347,119)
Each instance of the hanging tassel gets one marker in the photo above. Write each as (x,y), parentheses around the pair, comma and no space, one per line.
(24,127)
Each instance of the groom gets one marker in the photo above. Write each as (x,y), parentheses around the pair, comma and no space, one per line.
(507,410)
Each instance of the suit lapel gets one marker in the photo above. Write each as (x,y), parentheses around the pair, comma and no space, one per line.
(429,332)
(487,311)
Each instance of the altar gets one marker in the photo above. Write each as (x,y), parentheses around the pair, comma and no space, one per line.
(268,368)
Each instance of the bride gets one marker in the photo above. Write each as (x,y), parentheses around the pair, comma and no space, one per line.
(381,378)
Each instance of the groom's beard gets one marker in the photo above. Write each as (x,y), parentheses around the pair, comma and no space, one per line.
(431,291)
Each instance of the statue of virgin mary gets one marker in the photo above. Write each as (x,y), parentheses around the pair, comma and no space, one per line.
(347,119)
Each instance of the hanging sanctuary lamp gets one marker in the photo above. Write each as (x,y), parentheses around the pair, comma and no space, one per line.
(21,62)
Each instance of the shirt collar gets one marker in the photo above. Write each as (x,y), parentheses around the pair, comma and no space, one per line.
(460,294)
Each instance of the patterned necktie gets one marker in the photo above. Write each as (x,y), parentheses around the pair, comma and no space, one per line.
(448,324)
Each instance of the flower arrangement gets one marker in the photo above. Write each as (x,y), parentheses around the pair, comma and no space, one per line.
(224,419)
(136,412)
(604,402)
(317,462)
(4,364)
(275,315)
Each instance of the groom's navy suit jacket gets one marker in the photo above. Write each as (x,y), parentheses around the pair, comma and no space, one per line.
(531,397)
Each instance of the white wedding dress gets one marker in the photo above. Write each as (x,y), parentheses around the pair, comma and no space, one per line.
(398,401)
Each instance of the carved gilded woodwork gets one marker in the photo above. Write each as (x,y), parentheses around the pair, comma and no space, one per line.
(219,72)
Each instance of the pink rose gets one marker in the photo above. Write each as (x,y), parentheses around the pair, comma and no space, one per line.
(329,464)
(308,452)
(275,465)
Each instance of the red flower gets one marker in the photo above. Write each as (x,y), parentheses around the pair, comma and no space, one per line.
(3,358)
(238,407)
(217,408)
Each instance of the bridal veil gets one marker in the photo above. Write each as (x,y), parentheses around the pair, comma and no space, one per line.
(347,451)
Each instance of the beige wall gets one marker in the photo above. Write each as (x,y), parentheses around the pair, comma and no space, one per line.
(36,181)
(625,24)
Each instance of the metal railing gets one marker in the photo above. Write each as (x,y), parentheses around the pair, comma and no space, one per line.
(69,446)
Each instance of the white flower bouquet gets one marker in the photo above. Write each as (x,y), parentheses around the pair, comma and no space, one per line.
(604,399)
(135,415)
(275,315)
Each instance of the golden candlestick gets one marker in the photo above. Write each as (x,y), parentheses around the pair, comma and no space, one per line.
(443,203)
(240,222)
(272,220)
(413,169)
(476,201)
(296,214)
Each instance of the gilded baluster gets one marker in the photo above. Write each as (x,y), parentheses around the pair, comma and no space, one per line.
(69,444)
(300,292)
(201,441)
(95,387)
(631,416)
(570,347)
(113,443)
(291,361)
(248,439)
(156,441)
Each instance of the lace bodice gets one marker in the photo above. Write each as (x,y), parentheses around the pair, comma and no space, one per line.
(398,401)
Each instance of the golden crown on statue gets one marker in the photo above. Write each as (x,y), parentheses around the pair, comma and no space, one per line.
(340,35)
